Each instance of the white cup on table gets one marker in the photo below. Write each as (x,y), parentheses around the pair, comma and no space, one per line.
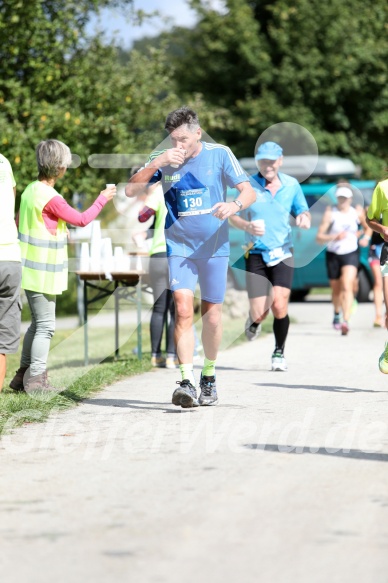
(95,246)
(84,257)
(120,261)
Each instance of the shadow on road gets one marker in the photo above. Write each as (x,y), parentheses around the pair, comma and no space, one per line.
(297,449)
(132,404)
(319,388)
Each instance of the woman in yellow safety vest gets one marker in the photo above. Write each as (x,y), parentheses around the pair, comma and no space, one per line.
(43,242)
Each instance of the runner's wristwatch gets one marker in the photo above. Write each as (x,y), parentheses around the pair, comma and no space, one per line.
(238,203)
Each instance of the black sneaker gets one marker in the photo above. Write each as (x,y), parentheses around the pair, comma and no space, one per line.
(208,394)
(185,396)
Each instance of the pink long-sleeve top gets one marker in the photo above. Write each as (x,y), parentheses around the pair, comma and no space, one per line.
(57,208)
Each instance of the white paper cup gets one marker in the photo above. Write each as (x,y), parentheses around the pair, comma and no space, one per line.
(106,248)
(110,186)
(119,259)
(177,165)
(84,257)
(118,252)
(259,223)
(95,246)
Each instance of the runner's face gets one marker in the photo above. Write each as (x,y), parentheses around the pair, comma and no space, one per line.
(270,168)
(184,139)
(343,201)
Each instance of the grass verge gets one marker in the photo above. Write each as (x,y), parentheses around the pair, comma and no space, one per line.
(76,381)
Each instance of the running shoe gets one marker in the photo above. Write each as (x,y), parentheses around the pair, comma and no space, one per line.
(158,361)
(185,396)
(383,360)
(172,362)
(344,328)
(354,306)
(279,362)
(208,394)
(252,330)
(337,322)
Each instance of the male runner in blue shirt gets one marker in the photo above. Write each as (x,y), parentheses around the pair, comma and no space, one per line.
(269,262)
(194,175)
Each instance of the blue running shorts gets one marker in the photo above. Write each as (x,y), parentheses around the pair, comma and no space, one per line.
(211,275)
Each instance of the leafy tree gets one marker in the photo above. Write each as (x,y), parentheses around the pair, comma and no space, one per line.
(320,64)
(57,83)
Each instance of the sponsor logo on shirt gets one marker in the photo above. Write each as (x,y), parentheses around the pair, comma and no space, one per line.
(173,178)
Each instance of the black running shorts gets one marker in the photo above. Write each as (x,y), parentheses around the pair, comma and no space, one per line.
(335,262)
(261,278)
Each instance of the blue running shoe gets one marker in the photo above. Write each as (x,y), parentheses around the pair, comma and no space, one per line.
(337,322)
(185,396)
(208,394)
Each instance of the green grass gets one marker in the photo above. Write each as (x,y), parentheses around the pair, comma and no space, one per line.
(316,291)
(76,381)
(67,372)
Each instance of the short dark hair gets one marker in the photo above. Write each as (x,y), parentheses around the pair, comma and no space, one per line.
(182,116)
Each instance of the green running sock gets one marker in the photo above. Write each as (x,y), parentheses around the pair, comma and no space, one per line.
(187,372)
(209,368)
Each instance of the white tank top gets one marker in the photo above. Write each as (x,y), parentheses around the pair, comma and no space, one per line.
(344,222)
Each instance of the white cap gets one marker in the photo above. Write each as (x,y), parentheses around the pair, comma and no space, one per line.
(344,191)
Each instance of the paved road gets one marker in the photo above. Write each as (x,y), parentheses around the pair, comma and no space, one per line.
(284,481)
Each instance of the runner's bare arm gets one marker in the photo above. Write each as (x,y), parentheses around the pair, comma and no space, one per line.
(247,196)
(138,182)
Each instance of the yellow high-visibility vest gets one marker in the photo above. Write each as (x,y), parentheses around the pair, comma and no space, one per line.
(44,255)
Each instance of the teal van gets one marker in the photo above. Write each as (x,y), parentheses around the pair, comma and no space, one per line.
(309,256)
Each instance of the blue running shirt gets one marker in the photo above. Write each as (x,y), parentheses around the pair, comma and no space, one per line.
(276,211)
(190,192)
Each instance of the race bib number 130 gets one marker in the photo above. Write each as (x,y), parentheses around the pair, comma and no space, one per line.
(194,202)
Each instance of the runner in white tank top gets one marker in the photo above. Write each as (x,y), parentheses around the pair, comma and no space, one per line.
(344,222)
(339,231)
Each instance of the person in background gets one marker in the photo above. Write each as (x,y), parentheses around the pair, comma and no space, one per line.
(195,175)
(43,216)
(377,220)
(10,269)
(268,260)
(375,243)
(163,311)
(340,229)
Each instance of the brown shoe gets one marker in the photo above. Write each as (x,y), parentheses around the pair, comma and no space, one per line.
(17,383)
(39,382)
